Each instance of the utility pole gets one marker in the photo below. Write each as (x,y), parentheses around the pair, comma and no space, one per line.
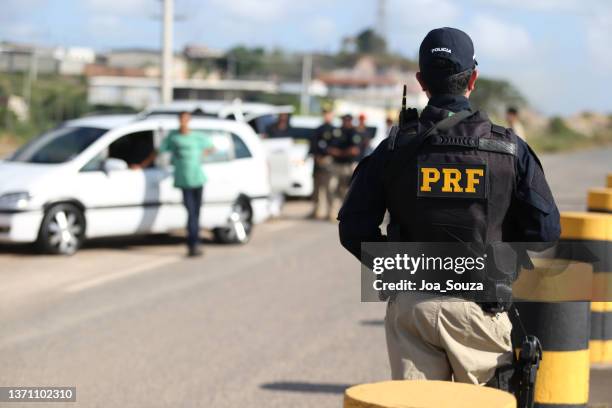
(381,22)
(31,78)
(306,78)
(167,51)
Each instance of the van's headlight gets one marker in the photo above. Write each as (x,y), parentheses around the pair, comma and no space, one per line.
(18,200)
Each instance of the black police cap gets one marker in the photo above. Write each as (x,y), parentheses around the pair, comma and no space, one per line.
(450,44)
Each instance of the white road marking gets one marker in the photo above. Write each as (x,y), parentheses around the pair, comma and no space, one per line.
(152,264)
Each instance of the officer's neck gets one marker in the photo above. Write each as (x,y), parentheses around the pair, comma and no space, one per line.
(454,103)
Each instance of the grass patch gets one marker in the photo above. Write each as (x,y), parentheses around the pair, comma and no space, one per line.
(557,136)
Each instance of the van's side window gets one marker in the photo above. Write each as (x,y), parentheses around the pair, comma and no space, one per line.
(132,148)
(241,151)
(95,164)
(222,146)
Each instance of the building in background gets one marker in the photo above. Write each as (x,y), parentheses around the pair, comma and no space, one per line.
(204,62)
(74,60)
(19,58)
(130,76)
(145,59)
(369,85)
(141,92)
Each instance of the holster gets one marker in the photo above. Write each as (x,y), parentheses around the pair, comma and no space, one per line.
(519,378)
(505,379)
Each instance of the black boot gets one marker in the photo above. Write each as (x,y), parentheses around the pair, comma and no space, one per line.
(194,250)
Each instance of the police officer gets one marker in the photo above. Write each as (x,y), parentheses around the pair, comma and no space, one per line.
(322,171)
(513,121)
(280,128)
(345,151)
(430,336)
(365,134)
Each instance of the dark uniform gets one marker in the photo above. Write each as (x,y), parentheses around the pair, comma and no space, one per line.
(343,166)
(278,129)
(471,181)
(322,171)
(532,209)
(366,135)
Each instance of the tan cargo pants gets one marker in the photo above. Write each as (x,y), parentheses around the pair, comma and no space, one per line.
(342,172)
(323,186)
(437,338)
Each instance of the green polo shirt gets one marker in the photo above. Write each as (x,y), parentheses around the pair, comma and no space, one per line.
(187,151)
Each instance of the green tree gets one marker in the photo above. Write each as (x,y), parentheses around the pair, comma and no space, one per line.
(369,42)
(246,61)
(495,96)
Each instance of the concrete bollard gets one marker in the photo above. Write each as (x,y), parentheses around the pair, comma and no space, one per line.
(563,330)
(600,200)
(426,394)
(561,320)
(595,231)
(600,345)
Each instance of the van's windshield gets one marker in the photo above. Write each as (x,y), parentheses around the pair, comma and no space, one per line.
(58,145)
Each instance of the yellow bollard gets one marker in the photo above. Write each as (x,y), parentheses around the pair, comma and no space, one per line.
(426,394)
(609,180)
(555,280)
(563,330)
(595,231)
(562,325)
(600,200)
(600,345)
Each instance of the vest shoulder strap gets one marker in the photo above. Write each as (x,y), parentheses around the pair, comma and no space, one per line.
(398,157)
(398,135)
(451,121)
(501,140)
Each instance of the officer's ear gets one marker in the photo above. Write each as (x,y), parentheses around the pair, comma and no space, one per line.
(419,78)
(472,81)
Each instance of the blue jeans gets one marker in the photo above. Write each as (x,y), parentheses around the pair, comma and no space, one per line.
(192,199)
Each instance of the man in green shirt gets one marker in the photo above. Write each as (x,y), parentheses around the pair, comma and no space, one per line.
(187,148)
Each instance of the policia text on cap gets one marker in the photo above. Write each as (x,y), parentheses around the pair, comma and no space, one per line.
(450,175)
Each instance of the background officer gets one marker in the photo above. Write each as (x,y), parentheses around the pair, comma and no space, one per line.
(345,151)
(280,128)
(430,336)
(366,135)
(322,172)
(513,121)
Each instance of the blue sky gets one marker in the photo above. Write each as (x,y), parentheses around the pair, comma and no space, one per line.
(557,52)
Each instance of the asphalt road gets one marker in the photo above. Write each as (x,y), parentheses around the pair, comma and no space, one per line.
(275,323)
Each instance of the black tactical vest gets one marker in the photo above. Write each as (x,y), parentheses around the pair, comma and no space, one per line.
(451,184)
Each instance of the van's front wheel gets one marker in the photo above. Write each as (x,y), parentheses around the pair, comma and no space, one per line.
(62,230)
(240,224)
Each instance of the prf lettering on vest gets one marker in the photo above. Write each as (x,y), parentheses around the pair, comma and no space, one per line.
(452,180)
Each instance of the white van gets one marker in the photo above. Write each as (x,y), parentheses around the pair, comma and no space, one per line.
(74,183)
(258,116)
(299,174)
(291,166)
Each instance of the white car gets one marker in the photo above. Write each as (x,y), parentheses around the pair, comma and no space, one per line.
(74,183)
